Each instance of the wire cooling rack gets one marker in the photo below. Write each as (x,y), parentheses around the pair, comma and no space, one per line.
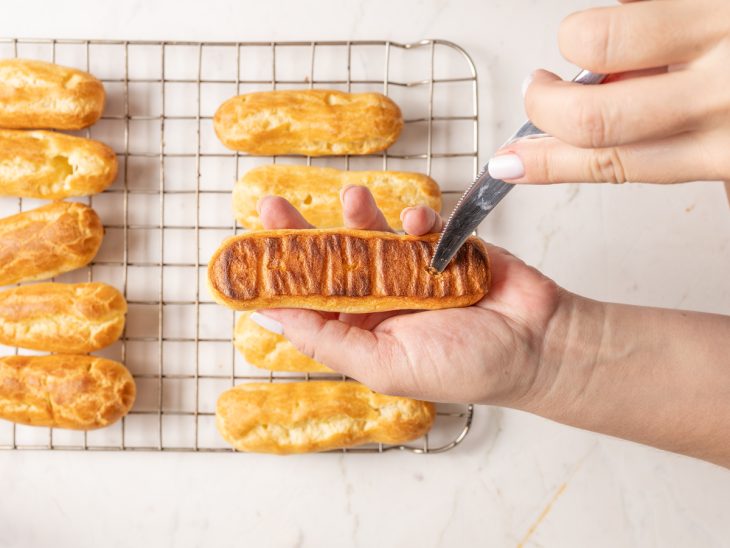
(170,206)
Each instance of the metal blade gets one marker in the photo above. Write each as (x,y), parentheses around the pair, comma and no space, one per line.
(475,204)
(483,196)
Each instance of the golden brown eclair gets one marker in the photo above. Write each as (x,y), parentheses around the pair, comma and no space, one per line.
(40,95)
(63,318)
(52,166)
(314,191)
(301,417)
(64,391)
(267,350)
(312,122)
(48,240)
(344,270)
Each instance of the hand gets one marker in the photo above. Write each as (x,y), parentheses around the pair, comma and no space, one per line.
(487,353)
(662,117)
(649,375)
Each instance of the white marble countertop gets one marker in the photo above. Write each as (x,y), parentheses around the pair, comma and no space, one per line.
(517,478)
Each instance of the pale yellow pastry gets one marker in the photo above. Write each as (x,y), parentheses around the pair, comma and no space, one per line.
(315,192)
(267,350)
(47,241)
(344,270)
(40,95)
(301,417)
(52,166)
(64,391)
(314,122)
(63,318)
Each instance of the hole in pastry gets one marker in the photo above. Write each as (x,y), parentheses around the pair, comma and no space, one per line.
(62,166)
(307,199)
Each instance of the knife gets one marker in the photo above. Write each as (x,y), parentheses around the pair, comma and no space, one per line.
(483,196)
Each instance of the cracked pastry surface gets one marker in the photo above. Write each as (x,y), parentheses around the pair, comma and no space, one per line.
(315,192)
(64,391)
(39,95)
(52,166)
(300,417)
(312,122)
(46,241)
(62,318)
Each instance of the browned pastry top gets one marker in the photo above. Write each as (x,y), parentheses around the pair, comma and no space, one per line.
(66,391)
(60,317)
(36,95)
(323,264)
(48,240)
(299,417)
(313,122)
(53,165)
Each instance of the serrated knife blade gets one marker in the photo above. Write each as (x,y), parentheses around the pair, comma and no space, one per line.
(483,196)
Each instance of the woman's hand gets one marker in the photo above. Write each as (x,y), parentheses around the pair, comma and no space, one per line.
(662,117)
(491,352)
(655,376)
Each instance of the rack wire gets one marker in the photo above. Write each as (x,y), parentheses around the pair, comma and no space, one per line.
(168,209)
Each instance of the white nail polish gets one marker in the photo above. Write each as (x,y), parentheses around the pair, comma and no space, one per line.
(506,166)
(526,84)
(267,323)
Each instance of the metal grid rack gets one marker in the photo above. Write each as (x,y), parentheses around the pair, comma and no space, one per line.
(168,208)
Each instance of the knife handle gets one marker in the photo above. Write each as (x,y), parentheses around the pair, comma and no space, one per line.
(484,194)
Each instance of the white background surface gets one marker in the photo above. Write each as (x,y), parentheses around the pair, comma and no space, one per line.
(517,477)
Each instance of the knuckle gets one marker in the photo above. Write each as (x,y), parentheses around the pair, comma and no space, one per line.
(309,349)
(593,127)
(608,165)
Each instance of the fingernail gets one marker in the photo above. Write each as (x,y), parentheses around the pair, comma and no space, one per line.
(506,166)
(403,213)
(267,323)
(526,84)
(344,191)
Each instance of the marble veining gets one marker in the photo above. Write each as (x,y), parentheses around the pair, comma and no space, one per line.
(517,479)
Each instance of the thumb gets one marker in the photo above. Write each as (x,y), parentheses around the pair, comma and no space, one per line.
(548,160)
(358,353)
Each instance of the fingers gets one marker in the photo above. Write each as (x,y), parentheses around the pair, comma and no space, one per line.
(420,220)
(363,355)
(682,158)
(275,212)
(615,113)
(637,35)
(359,209)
